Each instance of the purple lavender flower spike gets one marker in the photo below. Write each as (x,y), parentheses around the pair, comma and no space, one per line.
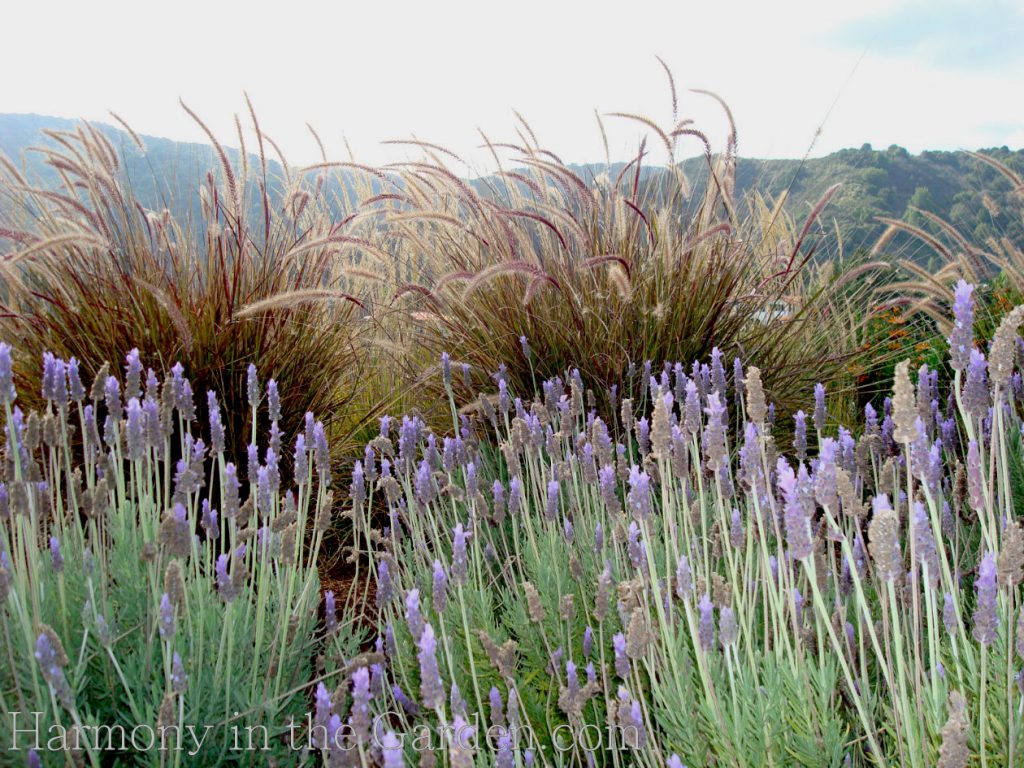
(975,392)
(797,524)
(252,386)
(800,435)
(323,709)
(446,370)
(440,588)
(385,585)
(359,719)
(706,623)
(431,690)
(413,617)
(7,392)
(56,558)
(643,436)
(166,617)
(551,508)
(391,750)
(961,338)
(112,398)
(75,386)
(53,671)
(216,425)
(225,588)
(684,579)
(727,628)
(273,401)
(133,375)
(986,611)
(515,495)
(819,407)
(691,408)
(460,558)
(179,679)
(423,484)
(948,613)
(621,659)
(588,641)
(639,496)
(330,612)
(209,520)
(321,454)
(606,482)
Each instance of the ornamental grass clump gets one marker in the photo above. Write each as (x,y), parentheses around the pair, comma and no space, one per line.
(255,269)
(158,610)
(540,267)
(666,587)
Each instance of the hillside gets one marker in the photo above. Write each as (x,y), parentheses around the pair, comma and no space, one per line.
(875,183)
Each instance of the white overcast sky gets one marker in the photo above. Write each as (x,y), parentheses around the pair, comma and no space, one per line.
(926,74)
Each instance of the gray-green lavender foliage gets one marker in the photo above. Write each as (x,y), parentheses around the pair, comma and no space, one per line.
(668,589)
(149,615)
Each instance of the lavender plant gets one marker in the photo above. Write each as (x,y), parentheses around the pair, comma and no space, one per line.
(157,610)
(662,590)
